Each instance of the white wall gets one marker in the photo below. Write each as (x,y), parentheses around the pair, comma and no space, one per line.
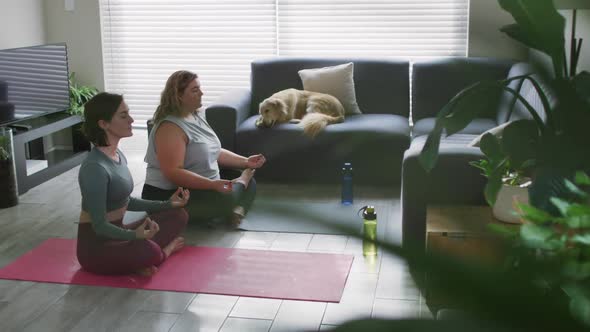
(582,31)
(21,23)
(80,29)
(485,38)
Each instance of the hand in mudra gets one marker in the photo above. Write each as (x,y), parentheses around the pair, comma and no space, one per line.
(180,197)
(255,161)
(147,230)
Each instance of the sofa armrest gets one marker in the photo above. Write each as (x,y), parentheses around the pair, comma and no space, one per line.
(452,181)
(226,114)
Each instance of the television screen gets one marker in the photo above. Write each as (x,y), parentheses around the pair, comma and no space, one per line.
(33,81)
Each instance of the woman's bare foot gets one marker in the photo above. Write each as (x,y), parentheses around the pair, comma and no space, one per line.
(246,176)
(148,271)
(237,216)
(174,246)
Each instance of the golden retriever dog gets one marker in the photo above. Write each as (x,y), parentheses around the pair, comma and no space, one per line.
(312,110)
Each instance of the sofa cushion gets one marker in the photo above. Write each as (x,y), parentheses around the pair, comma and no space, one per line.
(476,127)
(337,81)
(373,143)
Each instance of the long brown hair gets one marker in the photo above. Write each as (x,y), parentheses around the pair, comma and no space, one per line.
(170,100)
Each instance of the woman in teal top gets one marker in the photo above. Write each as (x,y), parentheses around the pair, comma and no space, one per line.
(105,245)
(184,151)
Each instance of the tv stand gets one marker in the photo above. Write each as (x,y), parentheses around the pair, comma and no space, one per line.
(20,127)
(32,170)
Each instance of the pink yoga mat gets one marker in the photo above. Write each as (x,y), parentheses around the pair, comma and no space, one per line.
(239,272)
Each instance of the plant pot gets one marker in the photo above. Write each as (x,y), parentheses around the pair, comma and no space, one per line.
(504,208)
(8,188)
(79,141)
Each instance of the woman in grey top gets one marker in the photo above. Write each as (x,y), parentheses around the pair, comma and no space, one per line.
(184,151)
(105,245)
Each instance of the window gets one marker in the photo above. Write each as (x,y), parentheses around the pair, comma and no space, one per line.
(144,41)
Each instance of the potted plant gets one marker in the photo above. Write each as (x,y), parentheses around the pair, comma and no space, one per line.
(562,242)
(79,95)
(551,150)
(513,182)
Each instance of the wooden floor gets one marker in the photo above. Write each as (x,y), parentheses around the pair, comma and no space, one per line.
(375,288)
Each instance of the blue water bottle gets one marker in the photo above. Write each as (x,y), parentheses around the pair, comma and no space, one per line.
(347,184)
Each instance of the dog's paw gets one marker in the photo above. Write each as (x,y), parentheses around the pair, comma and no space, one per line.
(260,123)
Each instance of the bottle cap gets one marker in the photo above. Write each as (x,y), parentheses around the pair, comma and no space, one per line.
(369,213)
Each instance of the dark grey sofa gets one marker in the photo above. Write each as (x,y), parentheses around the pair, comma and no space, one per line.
(453,180)
(379,141)
(374,141)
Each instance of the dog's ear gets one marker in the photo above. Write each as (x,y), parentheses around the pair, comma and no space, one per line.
(282,106)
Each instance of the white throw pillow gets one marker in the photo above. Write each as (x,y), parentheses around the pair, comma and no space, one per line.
(337,81)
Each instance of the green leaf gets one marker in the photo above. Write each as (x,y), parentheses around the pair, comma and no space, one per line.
(580,301)
(538,25)
(429,154)
(578,216)
(539,237)
(515,32)
(494,183)
(582,178)
(468,105)
(510,232)
(576,270)
(519,142)
(581,238)
(575,190)
(533,214)
(561,205)
(490,146)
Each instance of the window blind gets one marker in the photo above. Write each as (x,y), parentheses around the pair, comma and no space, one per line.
(380,28)
(144,41)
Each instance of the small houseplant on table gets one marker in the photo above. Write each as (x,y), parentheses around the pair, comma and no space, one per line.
(514,183)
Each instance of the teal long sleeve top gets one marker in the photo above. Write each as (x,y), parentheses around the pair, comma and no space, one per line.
(106,185)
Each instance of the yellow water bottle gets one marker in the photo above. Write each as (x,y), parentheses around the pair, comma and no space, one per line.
(369,231)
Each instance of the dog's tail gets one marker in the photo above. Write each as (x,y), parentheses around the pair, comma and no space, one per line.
(313,123)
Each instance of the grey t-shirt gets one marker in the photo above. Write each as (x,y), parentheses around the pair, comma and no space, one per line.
(202,151)
(105,186)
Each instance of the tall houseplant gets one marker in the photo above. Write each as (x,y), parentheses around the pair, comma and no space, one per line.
(551,149)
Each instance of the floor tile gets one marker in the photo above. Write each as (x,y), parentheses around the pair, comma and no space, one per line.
(249,307)
(245,325)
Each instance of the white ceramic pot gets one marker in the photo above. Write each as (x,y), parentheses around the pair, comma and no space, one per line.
(508,197)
